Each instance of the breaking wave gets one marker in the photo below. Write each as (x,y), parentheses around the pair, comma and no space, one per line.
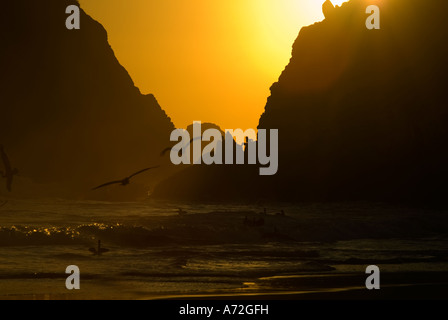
(82,234)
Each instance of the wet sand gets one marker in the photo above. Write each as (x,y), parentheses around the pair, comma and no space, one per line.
(394,286)
(405,292)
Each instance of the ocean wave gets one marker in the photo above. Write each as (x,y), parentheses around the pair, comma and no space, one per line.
(197,229)
(82,234)
(217,228)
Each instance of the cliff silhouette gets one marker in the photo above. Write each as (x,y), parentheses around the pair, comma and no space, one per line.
(362,114)
(71,116)
(206,183)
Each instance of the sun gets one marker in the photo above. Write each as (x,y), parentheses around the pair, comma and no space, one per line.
(338,2)
(212,61)
(276,24)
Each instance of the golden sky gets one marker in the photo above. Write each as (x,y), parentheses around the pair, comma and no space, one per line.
(205,60)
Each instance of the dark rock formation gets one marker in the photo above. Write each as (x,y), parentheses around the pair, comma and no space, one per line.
(70,113)
(207,183)
(362,114)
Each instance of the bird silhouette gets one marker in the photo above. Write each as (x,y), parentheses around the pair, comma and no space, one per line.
(164,151)
(98,251)
(9,172)
(125,181)
(3,203)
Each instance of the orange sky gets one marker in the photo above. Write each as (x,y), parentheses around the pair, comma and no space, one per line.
(205,60)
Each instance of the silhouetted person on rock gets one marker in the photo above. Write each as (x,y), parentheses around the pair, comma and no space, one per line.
(9,172)
(328,9)
(98,251)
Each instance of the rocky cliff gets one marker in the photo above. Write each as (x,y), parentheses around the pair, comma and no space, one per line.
(362,114)
(71,115)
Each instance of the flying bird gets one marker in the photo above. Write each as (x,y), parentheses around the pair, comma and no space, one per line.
(125,181)
(164,151)
(9,172)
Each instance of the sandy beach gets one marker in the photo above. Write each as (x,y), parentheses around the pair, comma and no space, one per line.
(395,286)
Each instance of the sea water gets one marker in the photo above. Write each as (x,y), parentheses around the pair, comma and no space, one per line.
(209,249)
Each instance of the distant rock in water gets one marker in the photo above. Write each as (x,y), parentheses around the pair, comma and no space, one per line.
(71,115)
(362,114)
(206,183)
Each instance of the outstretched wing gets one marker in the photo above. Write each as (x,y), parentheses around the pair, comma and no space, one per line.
(191,141)
(141,171)
(107,184)
(164,151)
(3,203)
